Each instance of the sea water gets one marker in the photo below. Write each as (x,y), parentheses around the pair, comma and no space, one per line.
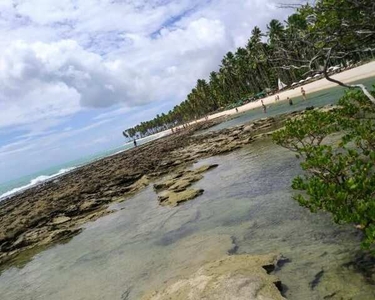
(316,99)
(247,201)
(15,186)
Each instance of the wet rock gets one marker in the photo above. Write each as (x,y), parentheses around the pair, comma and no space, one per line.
(141,183)
(205,168)
(228,148)
(317,278)
(265,126)
(59,235)
(235,247)
(192,177)
(247,141)
(249,128)
(71,210)
(60,220)
(89,205)
(180,185)
(233,277)
(235,133)
(281,262)
(330,296)
(183,179)
(176,198)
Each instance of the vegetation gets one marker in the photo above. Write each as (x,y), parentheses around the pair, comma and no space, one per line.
(290,51)
(339,175)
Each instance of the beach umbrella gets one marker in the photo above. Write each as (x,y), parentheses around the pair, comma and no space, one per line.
(281,85)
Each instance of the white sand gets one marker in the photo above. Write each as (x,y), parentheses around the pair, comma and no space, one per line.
(355,74)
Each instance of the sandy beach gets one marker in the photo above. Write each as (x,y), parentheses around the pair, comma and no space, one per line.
(355,74)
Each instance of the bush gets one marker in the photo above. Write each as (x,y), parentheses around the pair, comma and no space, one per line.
(339,177)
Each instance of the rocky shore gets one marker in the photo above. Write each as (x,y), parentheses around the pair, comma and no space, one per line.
(231,277)
(54,212)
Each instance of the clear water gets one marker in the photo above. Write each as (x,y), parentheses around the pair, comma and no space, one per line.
(247,200)
(317,99)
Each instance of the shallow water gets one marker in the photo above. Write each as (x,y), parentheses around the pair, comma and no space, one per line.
(246,208)
(317,99)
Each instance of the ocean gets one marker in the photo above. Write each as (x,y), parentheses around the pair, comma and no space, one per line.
(10,188)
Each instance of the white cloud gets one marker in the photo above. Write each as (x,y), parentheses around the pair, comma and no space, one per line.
(58,58)
(53,78)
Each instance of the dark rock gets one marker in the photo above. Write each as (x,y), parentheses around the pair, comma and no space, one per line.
(316,280)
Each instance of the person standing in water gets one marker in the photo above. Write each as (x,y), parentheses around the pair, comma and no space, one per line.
(264,107)
(135,143)
(303,93)
(290,101)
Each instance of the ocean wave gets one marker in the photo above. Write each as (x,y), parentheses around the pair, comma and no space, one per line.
(35,181)
(43,178)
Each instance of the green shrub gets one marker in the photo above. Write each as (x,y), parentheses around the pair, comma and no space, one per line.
(339,175)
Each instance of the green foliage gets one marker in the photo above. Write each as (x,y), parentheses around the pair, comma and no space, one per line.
(292,49)
(339,171)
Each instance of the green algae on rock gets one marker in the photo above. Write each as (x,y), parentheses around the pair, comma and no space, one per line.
(233,277)
(175,198)
(175,188)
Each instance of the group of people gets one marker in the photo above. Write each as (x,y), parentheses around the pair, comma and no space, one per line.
(303,92)
(290,101)
(277,98)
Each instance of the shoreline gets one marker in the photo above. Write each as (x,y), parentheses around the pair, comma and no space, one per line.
(361,72)
(8,194)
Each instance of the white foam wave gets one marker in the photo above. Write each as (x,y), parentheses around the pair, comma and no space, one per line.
(33,182)
(42,178)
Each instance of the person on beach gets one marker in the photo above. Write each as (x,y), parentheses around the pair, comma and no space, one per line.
(290,101)
(303,93)
(264,107)
(277,98)
(135,143)
(236,109)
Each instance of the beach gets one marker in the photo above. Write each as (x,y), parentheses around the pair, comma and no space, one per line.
(115,229)
(347,76)
(147,200)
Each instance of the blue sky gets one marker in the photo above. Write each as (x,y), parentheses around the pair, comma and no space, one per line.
(75,73)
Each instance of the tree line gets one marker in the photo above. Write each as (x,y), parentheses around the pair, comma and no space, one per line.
(290,50)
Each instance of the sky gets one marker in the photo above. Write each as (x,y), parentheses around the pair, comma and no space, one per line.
(75,73)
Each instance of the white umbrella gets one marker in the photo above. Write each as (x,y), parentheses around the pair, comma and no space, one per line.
(281,84)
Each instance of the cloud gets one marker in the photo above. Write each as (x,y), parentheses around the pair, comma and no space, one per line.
(59,78)
(112,63)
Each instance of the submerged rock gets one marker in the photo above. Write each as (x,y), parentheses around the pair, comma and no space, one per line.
(180,185)
(175,198)
(233,277)
(205,168)
(173,191)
